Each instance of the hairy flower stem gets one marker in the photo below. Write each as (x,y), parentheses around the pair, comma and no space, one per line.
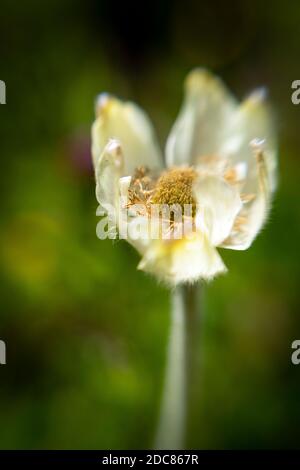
(180,368)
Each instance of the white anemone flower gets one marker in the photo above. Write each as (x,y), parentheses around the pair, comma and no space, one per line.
(220,157)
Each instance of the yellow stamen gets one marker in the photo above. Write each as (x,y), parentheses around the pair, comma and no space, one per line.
(175,186)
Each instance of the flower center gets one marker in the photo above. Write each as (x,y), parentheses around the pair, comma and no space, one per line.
(175,186)
(172,192)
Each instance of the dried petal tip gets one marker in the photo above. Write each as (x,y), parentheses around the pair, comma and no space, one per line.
(257,144)
(101,103)
(113,146)
(258,95)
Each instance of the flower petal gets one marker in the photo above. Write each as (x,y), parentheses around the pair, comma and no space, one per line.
(252,121)
(254,213)
(136,231)
(108,171)
(199,127)
(184,260)
(218,204)
(130,125)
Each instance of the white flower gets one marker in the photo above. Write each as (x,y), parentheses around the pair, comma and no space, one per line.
(220,157)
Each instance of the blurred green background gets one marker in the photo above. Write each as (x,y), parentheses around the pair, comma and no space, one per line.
(86,333)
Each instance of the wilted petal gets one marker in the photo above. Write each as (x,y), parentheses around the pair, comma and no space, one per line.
(199,128)
(218,204)
(127,123)
(184,260)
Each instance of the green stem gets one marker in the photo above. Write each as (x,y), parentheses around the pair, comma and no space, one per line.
(179,368)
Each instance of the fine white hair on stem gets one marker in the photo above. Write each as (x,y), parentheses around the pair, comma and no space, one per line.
(172,422)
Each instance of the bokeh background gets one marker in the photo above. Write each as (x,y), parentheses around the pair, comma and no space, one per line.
(86,333)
